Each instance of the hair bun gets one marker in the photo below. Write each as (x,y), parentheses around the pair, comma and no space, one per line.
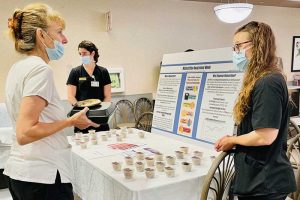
(10,23)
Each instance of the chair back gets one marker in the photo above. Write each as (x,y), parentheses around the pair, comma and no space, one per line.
(293,154)
(144,122)
(217,182)
(293,128)
(124,112)
(141,106)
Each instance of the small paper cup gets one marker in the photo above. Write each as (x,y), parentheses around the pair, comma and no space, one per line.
(150,173)
(179,154)
(149,161)
(185,150)
(186,166)
(128,160)
(160,166)
(170,172)
(139,166)
(140,155)
(128,173)
(170,160)
(116,166)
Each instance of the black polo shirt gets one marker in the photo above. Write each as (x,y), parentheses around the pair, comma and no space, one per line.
(265,170)
(83,81)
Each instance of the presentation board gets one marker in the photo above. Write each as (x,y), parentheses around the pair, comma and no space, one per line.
(196,95)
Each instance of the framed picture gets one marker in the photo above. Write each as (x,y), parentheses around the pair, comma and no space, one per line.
(117,79)
(296,54)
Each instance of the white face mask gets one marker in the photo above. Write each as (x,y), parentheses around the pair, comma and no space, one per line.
(85,60)
(240,59)
(57,52)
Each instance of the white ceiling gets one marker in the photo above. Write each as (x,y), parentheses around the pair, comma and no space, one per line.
(279,3)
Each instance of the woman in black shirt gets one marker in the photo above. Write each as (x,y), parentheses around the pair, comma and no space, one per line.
(89,81)
(263,170)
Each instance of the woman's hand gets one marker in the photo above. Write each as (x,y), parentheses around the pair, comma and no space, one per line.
(225,143)
(81,121)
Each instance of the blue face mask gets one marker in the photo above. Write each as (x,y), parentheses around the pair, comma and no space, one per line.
(240,60)
(85,60)
(57,52)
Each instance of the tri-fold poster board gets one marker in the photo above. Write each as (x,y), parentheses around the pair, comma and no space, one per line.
(196,94)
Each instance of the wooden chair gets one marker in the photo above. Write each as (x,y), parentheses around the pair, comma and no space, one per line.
(293,129)
(217,182)
(293,153)
(144,122)
(124,115)
(141,106)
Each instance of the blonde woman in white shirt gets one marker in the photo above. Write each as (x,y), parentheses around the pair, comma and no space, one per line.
(39,164)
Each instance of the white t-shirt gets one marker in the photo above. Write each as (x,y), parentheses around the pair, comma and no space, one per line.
(38,161)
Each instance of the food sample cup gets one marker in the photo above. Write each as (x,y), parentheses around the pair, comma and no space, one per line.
(78,135)
(141,134)
(85,138)
(103,137)
(83,145)
(128,160)
(196,160)
(170,160)
(160,166)
(179,154)
(113,131)
(140,155)
(94,141)
(77,141)
(130,130)
(170,172)
(124,129)
(159,156)
(128,173)
(185,150)
(150,173)
(119,138)
(116,166)
(108,134)
(123,134)
(139,166)
(186,166)
(149,161)
(198,154)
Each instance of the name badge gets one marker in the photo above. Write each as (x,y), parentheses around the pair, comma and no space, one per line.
(95,83)
(82,78)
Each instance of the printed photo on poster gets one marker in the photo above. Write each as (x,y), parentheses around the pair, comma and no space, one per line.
(296,54)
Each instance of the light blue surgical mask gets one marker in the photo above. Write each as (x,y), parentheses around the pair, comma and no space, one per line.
(85,60)
(57,52)
(240,59)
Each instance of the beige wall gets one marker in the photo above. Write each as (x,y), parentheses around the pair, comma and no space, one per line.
(142,31)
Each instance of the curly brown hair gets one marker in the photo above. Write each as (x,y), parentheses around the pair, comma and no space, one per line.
(262,62)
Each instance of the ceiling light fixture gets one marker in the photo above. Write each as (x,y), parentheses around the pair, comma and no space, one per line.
(233,12)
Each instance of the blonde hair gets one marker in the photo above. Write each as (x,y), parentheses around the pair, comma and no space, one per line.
(24,23)
(262,62)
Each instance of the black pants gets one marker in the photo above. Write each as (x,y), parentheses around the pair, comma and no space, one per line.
(3,180)
(268,197)
(21,190)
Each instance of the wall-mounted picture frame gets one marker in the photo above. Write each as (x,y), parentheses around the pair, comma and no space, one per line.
(117,79)
(296,54)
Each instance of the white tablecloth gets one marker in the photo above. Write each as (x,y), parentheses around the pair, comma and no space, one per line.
(96,180)
(5,144)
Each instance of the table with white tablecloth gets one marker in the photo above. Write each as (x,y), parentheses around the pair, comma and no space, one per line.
(95,179)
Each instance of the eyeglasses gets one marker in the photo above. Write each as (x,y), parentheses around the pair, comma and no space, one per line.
(237,46)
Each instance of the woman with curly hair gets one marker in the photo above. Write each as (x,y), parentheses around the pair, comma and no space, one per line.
(262,169)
